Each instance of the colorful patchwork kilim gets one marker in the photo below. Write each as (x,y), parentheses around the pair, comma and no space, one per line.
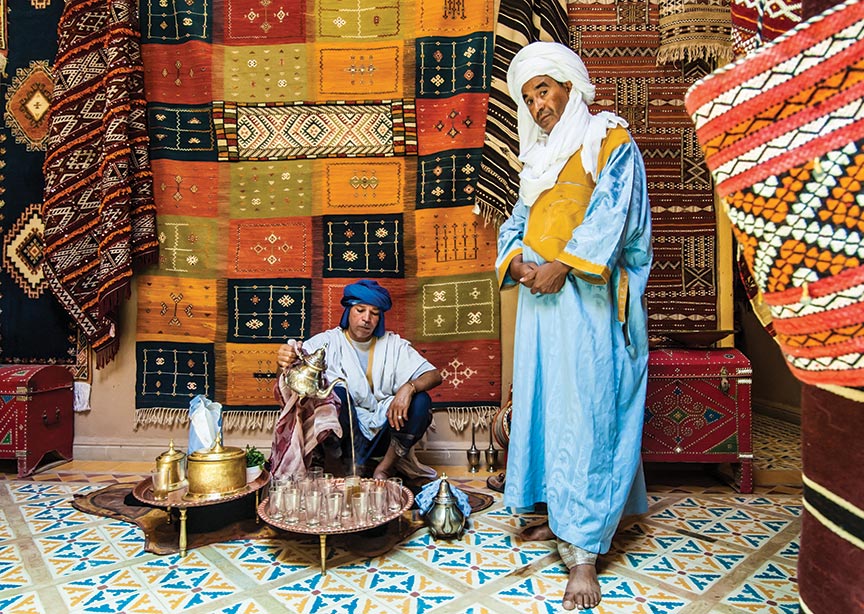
(296,148)
(33,327)
(518,23)
(783,134)
(618,42)
(756,22)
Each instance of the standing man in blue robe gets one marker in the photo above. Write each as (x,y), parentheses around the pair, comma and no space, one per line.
(578,244)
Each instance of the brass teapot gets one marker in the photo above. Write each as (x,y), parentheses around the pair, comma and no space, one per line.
(445,519)
(172,464)
(306,376)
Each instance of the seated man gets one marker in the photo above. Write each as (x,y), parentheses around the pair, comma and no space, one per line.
(386,378)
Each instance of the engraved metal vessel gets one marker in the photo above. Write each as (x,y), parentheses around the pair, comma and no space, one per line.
(172,463)
(306,377)
(444,518)
(215,473)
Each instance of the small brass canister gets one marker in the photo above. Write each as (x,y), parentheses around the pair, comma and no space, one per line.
(216,473)
(172,464)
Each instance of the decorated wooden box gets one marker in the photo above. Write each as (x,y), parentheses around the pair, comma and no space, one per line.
(697,409)
(35,414)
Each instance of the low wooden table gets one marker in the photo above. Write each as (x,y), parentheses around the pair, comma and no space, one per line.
(143,491)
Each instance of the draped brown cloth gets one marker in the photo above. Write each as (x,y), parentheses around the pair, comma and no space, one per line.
(519,22)
(99,213)
(302,425)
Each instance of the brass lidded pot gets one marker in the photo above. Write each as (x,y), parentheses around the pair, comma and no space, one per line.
(172,464)
(216,473)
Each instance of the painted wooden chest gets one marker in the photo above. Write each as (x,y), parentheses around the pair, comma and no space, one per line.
(35,414)
(697,409)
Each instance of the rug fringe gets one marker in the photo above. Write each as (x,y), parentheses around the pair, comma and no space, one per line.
(723,53)
(248,420)
(461,417)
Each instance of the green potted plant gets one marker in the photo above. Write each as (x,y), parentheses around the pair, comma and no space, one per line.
(254,462)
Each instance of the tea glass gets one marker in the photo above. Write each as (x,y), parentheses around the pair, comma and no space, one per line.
(276,507)
(291,504)
(333,504)
(313,508)
(394,494)
(360,508)
(377,502)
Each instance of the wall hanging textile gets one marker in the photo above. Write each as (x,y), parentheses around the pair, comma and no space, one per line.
(782,132)
(34,329)
(618,43)
(298,147)
(695,30)
(756,22)
(517,24)
(4,37)
(99,212)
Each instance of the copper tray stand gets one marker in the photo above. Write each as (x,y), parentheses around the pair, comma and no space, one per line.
(323,532)
(143,491)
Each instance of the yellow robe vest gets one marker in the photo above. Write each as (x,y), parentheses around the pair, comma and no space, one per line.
(561,208)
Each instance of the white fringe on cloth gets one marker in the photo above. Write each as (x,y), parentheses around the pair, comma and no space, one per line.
(262,420)
(461,417)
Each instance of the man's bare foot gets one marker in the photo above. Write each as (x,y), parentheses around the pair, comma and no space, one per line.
(583,589)
(386,468)
(537,533)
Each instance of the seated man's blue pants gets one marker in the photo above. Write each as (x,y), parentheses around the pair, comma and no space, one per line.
(419,419)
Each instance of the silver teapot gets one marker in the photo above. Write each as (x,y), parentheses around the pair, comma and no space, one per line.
(445,519)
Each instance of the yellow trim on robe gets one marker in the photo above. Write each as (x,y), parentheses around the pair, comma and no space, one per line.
(623,288)
(505,267)
(561,208)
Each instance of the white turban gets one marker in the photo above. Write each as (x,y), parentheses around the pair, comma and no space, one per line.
(543,156)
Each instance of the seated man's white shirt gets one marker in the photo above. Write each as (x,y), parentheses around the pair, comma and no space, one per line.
(394,362)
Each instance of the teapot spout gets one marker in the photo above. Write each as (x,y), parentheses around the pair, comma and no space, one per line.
(323,393)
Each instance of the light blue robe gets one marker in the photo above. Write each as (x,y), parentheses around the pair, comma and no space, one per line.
(578,379)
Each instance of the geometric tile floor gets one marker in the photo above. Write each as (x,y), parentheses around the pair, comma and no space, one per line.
(701,549)
(778,451)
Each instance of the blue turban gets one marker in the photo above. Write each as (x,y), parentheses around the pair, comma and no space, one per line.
(367,292)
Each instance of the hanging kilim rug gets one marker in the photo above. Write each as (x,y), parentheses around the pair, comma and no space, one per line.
(618,42)
(297,147)
(756,22)
(34,328)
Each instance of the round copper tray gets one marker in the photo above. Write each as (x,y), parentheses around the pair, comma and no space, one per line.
(143,491)
(302,527)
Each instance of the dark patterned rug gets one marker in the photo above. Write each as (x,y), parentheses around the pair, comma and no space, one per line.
(237,520)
